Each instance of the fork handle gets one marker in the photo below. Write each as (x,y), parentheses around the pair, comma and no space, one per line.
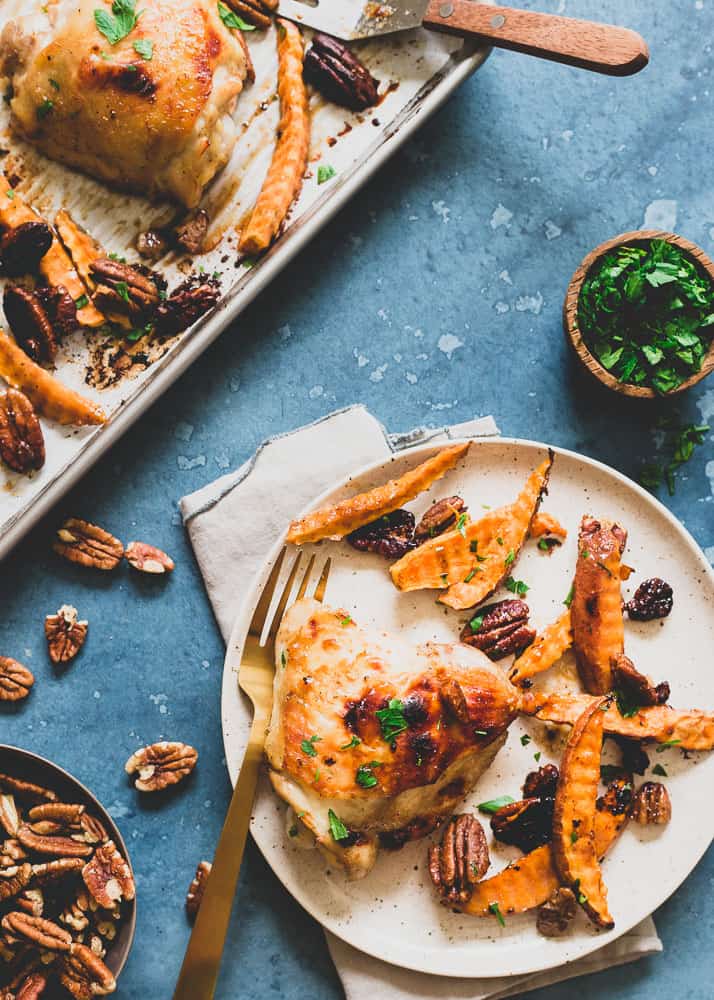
(202,961)
(603,48)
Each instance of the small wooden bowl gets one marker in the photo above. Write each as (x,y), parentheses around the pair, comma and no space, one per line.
(572,298)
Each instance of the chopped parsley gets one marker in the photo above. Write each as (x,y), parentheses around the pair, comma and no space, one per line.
(569,599)
(647,314)
(144,47)
(119,23)
(658,769)
(473,544)
(444,578)
(476,623)
(354,742)
(308,746)
(283,659)
(82,301)
(45,108)
(536,756)
(608,772)
(496,911)
(391,720)
(517,586)
(573,836)
(337,828)
(137,334)
(123,290)
(54,84)
(499,540)
(510,558)
(9,194)
(346,620)
(232,20)
(325,173)
(293,831)
(668,743)
(525,740)
(365,776)
(461,524)
(493,805)
(469,576)
(626,706)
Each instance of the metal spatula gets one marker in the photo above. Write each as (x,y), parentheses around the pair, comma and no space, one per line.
(603,48)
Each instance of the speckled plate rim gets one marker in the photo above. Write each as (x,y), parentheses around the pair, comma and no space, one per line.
(119,950)
(233,706)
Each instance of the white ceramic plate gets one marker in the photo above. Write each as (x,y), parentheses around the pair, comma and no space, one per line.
(393,914)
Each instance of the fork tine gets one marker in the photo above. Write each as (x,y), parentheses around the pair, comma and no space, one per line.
(284,598)
(261,612)
(322,582)
(305,578)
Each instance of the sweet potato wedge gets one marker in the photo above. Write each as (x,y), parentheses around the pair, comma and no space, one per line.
(284,178)
(596,609)
(474,560)
(545,524)
(529,881)
(47,395)
(83,250)
(574,850)
(55,267)
(691,729)
(544,651)
(353,513)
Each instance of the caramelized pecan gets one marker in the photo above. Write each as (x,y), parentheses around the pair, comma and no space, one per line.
(461,860)
(618,796)
(441,515)
(651,804)
(89,545)
(58,847)
(184,306)
(191,235)
(152,244)
(638,687)
(391,535)
(541,783)
(108,876)
(197,888)
(526,824)
(123,288)
(161,765)
(65,634)
(556,914)
(84,975)
(23,247)
(338,74)
(15,681)
(31,326)
(60,308)
(22,444)
(148,559)
(41,932)
(653,599)
(499,629)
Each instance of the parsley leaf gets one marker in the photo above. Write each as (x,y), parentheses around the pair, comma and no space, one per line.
(493,805)
(525,740)
(668,743)
(365,776)
(145,48)
(626,706)
(325,173)
(569,599)
(308,746)
(517,586)
(476,623)
(119,23)
(510,557)
(496,911)
(337,828)
(44,109)
(391,720)
(658,769)
(461,525)
(82,301)
(354,742)
(232,20)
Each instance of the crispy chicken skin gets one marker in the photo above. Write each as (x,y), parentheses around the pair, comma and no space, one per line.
(332,677)
(159,127)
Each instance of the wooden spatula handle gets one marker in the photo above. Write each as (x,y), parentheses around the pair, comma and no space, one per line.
(603,48)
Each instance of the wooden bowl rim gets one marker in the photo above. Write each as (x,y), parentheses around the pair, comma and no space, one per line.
(572,298)
(29,765)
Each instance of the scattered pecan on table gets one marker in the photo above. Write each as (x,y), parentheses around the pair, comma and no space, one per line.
(161,764)
(391,535)
(499,629)
(148,559)
(22,443)
(65,634)
(440,516)
(555,915)
(339,75)
(651,804)
(653,599)
(23,247)
(87,544)
(460,860)
(194,896)
(15,681)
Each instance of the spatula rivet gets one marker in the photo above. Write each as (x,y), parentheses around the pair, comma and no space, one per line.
(446,10)
(497,21)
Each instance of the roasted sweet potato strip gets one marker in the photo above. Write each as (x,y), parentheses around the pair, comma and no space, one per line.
(596,610)
(545,524)
(47,395)
(56,266)
(529,881)
(574,850)
(83,251)
(692,729)
(284,179)
(473,561)
(544,651)
(353,513)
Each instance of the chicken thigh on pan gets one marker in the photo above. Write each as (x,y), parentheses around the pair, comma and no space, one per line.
(374,741)
(158,126)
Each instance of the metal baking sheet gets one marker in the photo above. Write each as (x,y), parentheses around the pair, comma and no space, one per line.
(418,70)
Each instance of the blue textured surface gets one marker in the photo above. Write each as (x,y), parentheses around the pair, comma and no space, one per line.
(436,296)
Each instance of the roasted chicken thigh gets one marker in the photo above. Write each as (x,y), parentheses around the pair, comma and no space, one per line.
(149,113)
(372,740)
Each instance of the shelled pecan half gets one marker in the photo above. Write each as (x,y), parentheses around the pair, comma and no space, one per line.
(84,975)
(37,930)
(15,680)
(108,876)
(339,75)
(499,629)
(23,247)
(440,516)
(651,804)
(191,235)
(391,535)
(123,288)
(185,305)
(460,860)
(557,913)
(87,544)
(65,634)
(22,443)
(148,559)
(30,325)
(161,764)
(257,12)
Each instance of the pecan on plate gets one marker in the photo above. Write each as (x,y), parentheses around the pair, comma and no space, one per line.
(161,765)
(148,559)
(87,544)
(123,288)
(460,860)
(652,599)
(84,975)
(638,687)
(14,880)
(391,535)
(22,443)
(57,847)
(541,783)
(32,987)
(31,326)
(499,629)
(452,695)
(651,804)
(526,824)
(15,680)
(185,305)
(152,244)
(618,796)
(23,247)
(194,896)
(555,915)
(339,75)
(41,932)
(9,815)
(108,876)
(440,516)
(65,634)
(60,308)
(191,235)
(255,12)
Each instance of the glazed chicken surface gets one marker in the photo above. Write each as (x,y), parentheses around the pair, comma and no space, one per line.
(157,126)
(383,736)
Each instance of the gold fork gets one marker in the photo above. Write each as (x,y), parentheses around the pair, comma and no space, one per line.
(197,979)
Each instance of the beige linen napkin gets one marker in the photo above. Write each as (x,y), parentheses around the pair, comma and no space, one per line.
(234,522)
